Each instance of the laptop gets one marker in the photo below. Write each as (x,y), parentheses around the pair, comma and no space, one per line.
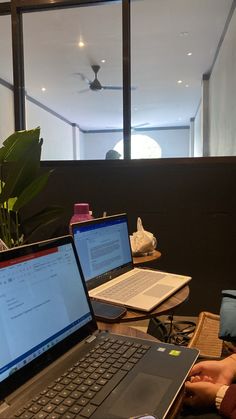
(54,360)
(103,246)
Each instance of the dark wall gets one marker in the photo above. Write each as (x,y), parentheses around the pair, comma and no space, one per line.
(189,205)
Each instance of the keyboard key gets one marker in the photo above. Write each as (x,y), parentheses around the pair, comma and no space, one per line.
(82,401)
(26,415)
(40,415)
(75,409)
(88,411)
(49,408)
(57,400)
(61,409)
(68,402)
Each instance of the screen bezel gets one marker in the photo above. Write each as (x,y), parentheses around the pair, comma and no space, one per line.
(36,365)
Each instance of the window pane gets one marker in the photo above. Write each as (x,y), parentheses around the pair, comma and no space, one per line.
(6,80)
(173,44)
(73,78)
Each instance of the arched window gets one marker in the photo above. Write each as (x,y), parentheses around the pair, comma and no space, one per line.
(142,147)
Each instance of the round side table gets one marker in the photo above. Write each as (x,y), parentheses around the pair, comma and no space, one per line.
(138,260)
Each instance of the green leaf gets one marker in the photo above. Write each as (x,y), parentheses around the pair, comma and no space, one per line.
(42,219)
(20,175)
(17,145)
(11,203)
(21,181)
(30,165)
(33,189)
(8,228)
(51,212)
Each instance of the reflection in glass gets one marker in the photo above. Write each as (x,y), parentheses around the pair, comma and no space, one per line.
(142,147)
(73,77)
(173,44)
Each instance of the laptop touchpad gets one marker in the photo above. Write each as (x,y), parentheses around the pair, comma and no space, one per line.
(158,290)
(141,396)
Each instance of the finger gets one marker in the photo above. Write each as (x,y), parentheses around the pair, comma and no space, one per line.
(197,368)
(207,378)
(195,379)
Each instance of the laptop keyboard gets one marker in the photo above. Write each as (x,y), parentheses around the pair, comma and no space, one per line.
(84,386)
(125,290)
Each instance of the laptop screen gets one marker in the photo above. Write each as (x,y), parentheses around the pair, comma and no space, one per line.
(103,247)
(39,295)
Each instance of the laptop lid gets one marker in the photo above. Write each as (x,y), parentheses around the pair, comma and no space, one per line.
(44,308)
(103,247)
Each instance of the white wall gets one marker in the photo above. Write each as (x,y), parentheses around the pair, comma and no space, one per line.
(222,97)
(95,145)
(198,140)
(57,135)
(6,113)
(173,142)
(79,145)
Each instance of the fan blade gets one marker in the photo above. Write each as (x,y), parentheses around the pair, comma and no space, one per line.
(83,78)
(144,124)
(84,90)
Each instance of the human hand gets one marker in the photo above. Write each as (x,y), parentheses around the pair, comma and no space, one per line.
(223,371)
(200,394)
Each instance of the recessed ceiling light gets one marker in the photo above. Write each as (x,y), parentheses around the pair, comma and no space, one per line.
(180,81)
(186,85)
(103,61)
(189,54)
(43,89)
(184,33)
(81,44)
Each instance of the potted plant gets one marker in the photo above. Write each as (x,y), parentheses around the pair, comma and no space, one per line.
(20,181)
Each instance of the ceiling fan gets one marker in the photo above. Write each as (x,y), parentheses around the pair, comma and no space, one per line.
(95,84)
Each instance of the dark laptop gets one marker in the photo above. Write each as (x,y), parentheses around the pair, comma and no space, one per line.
(103,246)
(55,363)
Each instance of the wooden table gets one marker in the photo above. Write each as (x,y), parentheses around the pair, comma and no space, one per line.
(139,260)
(121,329)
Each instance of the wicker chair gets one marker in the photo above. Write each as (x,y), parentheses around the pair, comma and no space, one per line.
(205,337)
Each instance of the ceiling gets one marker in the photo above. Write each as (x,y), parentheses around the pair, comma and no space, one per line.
(163,33)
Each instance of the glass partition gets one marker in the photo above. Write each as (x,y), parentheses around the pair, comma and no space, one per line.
(173,44)
(73,79)
(6,80)
(182,73)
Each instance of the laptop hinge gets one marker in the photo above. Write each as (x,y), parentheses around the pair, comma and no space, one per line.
(3,405)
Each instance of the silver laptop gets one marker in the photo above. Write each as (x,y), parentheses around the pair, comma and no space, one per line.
(55,363)
(104,251)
